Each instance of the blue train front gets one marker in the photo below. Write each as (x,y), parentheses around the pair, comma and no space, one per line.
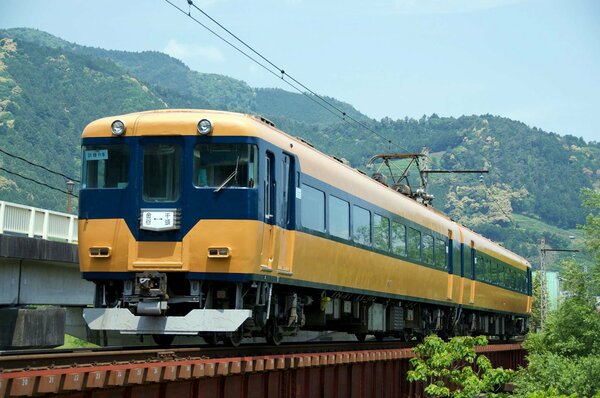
(204,223)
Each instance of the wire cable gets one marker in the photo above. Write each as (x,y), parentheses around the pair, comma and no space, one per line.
(37,182)
(251,58)
(38,165)
(323,102)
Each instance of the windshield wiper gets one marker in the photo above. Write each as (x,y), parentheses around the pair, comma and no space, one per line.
(230,176)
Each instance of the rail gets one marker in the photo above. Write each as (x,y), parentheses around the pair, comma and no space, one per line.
(16,219)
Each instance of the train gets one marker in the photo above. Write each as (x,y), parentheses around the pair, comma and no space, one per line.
(219,225)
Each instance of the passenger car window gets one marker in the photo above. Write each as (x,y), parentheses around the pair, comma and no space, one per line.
(339,217)
(440,254)
(427,253)
(398,238)
(313,208)
(414,244)
(381,232)
(361,225)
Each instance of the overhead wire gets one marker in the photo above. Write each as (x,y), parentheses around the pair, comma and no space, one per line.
(37,182)
(246,54)
(323,102)
(38,165)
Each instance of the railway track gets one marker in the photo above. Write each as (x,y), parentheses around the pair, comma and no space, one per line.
(48,358)
(137,371)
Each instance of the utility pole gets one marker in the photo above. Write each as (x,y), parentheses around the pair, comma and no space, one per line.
(544,281)
(543,291)
(70,185)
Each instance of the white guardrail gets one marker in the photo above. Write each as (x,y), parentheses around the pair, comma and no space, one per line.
(29,221)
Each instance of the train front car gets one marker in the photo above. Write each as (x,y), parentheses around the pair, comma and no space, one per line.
(219,225)
(169,229)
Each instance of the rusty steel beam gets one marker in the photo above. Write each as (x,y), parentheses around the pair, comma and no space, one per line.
(364,374)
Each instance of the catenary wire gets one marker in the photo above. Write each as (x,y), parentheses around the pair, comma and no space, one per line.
(38,165)
(330,107)
(251,58)
(37,182)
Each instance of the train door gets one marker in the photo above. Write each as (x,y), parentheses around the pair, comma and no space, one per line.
(472,262)
(463,271)
(270,213)
(286,238)
(455,266)
(159,207)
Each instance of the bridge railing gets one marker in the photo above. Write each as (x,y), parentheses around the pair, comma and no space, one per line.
(37,223)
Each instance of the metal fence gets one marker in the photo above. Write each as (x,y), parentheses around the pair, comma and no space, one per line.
(29,221)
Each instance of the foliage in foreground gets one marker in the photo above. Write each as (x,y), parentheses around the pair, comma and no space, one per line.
(564,359)
(453,369)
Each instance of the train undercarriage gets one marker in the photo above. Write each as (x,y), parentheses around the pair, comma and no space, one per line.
(165,305)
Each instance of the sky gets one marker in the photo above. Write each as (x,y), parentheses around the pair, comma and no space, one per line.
(536,61)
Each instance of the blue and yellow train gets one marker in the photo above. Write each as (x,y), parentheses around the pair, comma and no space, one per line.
(219,225)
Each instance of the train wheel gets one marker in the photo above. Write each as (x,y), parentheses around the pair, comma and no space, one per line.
(163,340)
(233,339)
(379,337)
(211,339)
(361,337)
(274,335)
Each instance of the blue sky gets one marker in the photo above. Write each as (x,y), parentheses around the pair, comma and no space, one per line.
(537,61)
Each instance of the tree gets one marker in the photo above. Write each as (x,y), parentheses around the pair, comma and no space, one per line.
(591,230)
(453,369)
(565,358)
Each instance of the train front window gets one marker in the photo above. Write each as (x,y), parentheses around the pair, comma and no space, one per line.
(161,172)
(225,165)
(105,166)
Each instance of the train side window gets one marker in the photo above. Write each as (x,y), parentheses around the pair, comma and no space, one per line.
(288,189)
(440,253)
(427,251)
(381,232)
(414,243)
(398,238)
(513,279)
(468,261)
(498,273)
(313,208)
(501,274)
(361,225)
(339,217)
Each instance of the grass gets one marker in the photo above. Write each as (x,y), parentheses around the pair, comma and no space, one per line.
(532,224)
(74,342)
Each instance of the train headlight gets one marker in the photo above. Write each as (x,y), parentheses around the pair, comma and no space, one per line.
(118,127)
(204,127)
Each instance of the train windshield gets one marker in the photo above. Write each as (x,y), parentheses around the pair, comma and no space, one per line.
(105,166)
(225,165)
(162,163)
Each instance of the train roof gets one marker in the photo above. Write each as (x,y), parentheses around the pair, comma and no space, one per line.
(170,122)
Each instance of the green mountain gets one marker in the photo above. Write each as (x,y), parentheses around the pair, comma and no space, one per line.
(50,89)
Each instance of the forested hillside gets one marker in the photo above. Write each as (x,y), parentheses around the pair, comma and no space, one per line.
(50,89)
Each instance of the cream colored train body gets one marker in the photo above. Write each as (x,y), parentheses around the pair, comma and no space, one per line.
(217,224)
